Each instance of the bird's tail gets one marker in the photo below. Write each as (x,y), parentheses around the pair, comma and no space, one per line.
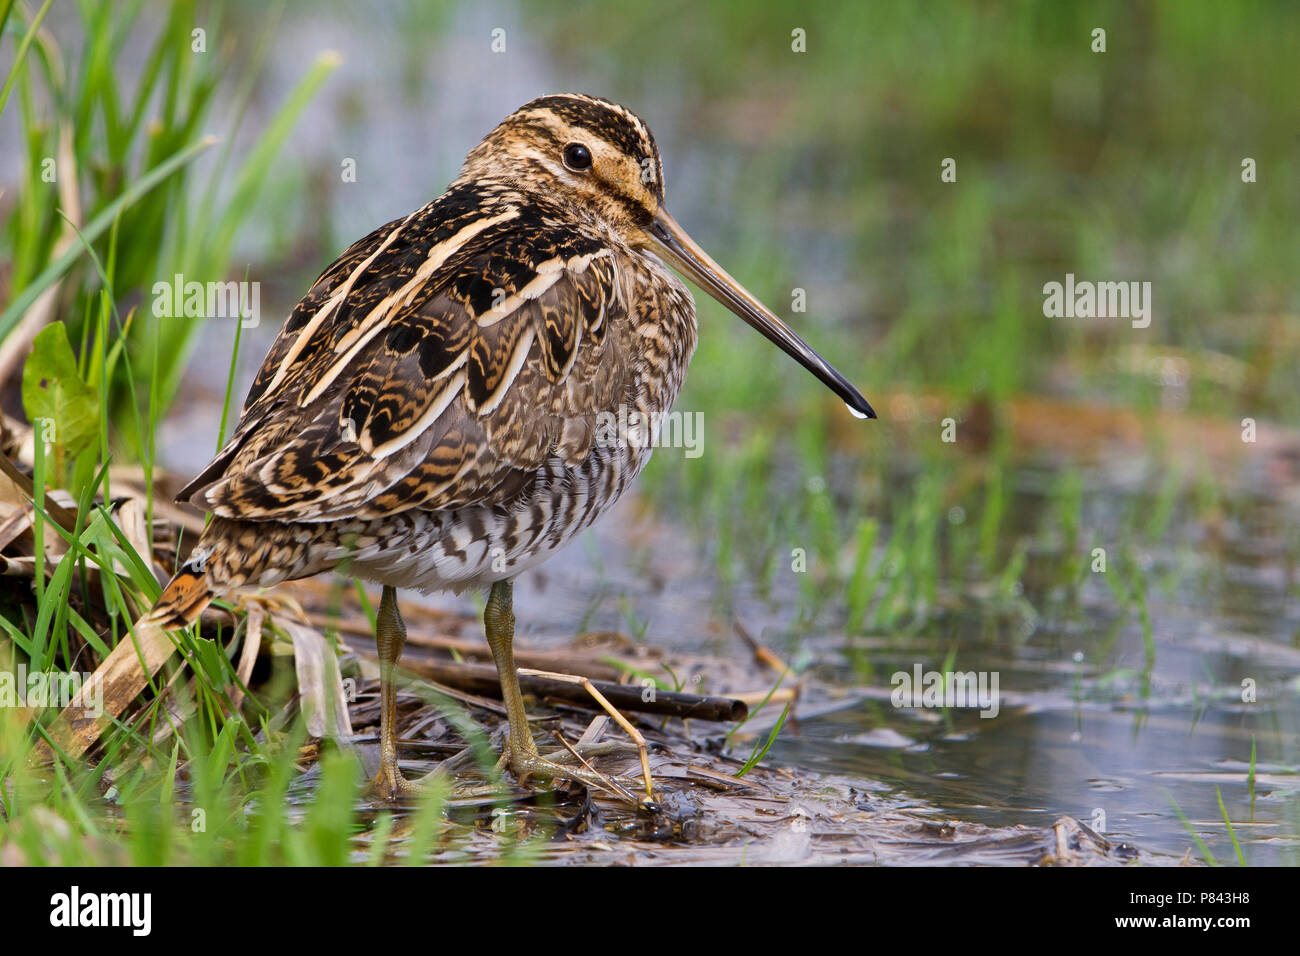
(183,600)
(126,670)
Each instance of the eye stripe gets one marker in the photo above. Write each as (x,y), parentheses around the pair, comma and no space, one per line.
(619,127)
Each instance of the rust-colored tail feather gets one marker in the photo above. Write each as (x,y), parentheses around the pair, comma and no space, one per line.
(129,666)
(183,600)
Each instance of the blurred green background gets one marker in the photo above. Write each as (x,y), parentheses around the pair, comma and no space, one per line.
(816,171)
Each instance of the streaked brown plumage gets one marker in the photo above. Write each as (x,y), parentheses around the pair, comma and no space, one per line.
(428,414)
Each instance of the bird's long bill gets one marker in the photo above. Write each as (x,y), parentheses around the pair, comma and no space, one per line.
(679,250)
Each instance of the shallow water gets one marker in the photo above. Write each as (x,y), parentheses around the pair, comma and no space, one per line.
(1087,724)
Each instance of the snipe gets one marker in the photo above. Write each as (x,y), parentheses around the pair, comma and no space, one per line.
(428,415)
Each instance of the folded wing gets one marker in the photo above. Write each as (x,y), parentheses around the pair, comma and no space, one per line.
(438,363)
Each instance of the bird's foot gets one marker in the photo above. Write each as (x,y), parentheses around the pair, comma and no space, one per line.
(388,785)
(525,762)
(616,716)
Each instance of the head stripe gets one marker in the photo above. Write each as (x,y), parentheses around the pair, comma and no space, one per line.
(616,125)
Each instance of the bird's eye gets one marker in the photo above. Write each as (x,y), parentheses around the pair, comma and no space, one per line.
(577,157)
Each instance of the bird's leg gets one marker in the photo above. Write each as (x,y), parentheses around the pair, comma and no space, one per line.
(499,626)
(521,751)
(390,638)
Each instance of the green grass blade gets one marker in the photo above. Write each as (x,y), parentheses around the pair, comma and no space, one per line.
(1241,857)
(51,273)
(758,753)
(23,46)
